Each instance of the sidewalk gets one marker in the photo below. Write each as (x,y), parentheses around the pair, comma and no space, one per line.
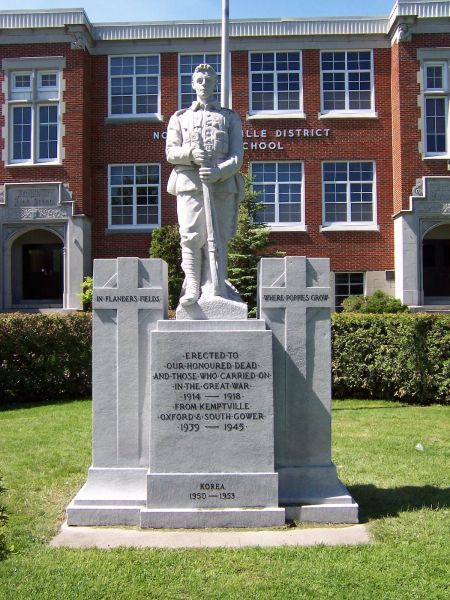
(106,537)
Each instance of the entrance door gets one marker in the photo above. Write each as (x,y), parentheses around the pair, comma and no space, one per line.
(42,271)
(436,267)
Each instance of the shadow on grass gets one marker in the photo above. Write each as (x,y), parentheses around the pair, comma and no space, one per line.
(376,503)
(23,405)
(335,406)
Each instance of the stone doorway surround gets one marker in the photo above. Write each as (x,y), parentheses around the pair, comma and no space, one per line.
(43,208)
(429,208)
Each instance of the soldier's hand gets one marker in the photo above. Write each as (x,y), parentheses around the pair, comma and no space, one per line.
(198,156)
(209,174)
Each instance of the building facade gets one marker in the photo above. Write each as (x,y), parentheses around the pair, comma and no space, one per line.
(346,136)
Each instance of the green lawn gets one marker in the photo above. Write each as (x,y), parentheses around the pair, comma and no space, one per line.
(44,455)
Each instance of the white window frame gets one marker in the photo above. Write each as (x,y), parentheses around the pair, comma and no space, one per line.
(349,225)
(33,97)
(284,225)
(275,113)
(204,54)
(435,94)
(141,227)
(134,115)
(348,112)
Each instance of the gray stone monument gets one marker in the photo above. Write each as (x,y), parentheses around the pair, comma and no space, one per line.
(212,420)
(129,297)
(211,432)
(294,300)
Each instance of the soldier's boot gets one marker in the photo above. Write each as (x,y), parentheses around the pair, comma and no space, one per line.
(191,264)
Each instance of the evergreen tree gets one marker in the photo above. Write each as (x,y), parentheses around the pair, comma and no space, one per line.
(247,247)
(165,244)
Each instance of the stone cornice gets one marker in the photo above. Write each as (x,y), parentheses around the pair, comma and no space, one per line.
(403,11)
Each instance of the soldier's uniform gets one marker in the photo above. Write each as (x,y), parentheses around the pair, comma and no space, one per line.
(218,131)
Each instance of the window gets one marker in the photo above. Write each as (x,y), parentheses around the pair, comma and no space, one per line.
(134,85)
(187,64)
(280,185)
(345,285)
(134,196)
(275,80)
(34,114)
(435,88)
(347,81)
(348,192)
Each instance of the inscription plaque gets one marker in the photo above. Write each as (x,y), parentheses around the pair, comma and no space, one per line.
(211,437)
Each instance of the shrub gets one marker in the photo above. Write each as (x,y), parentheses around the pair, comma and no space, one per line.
(404,356)
(378,302)
(86,293)
(44,357)
(165,244)
(3,520)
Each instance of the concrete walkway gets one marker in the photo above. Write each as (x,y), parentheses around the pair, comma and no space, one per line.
(108,537)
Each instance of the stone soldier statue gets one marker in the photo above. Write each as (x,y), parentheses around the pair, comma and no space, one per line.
(204,143)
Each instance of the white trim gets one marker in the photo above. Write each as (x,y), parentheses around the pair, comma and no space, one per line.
(134,75)
(348,114)
(34,97)
(284,225)
(351,112)
(275,28)
(276,113)
(136,228)
(351,225)
(348,227)
(261,115)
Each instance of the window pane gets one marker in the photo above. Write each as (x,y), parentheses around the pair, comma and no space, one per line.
(435,122)
(280,189)
(134,195)
(434,77)
(348,192)
(21,133)
(48,132)
(347,284)
(187,66)
(275,80)
(346,80)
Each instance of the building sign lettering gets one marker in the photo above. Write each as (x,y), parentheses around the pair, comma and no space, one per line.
(262,139)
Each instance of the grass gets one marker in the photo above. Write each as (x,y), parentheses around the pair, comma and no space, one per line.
(44,455)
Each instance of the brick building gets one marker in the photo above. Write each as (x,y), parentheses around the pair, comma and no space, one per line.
(345,128)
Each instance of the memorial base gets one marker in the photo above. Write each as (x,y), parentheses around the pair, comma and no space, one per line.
(197,518)
(315,494)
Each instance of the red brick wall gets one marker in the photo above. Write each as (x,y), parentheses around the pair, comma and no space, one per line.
(408,162)
(391,141)
(75,167)
(350,139)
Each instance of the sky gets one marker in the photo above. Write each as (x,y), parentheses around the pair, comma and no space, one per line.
(107,11)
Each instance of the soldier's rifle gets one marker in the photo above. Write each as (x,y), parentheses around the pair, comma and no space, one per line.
(211,227)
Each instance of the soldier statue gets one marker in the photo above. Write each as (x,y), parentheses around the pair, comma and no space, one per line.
(204,143)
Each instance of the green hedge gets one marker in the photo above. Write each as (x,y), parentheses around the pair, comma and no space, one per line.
(405,357)
(44,357)
(3,521)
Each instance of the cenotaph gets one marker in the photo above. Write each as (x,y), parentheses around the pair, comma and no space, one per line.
(212,419)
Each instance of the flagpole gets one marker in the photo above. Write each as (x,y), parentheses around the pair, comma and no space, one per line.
(225,80)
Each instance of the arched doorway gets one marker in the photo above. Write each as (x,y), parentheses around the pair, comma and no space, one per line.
(436,265)
(37,269)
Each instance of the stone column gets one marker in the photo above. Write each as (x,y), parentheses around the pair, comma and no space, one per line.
(294,299)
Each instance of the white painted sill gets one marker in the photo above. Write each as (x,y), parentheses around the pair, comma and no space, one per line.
(275,115)
(35,164)
(119,119)
(348,114)
(274,227)
(126,230)
(348,227)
